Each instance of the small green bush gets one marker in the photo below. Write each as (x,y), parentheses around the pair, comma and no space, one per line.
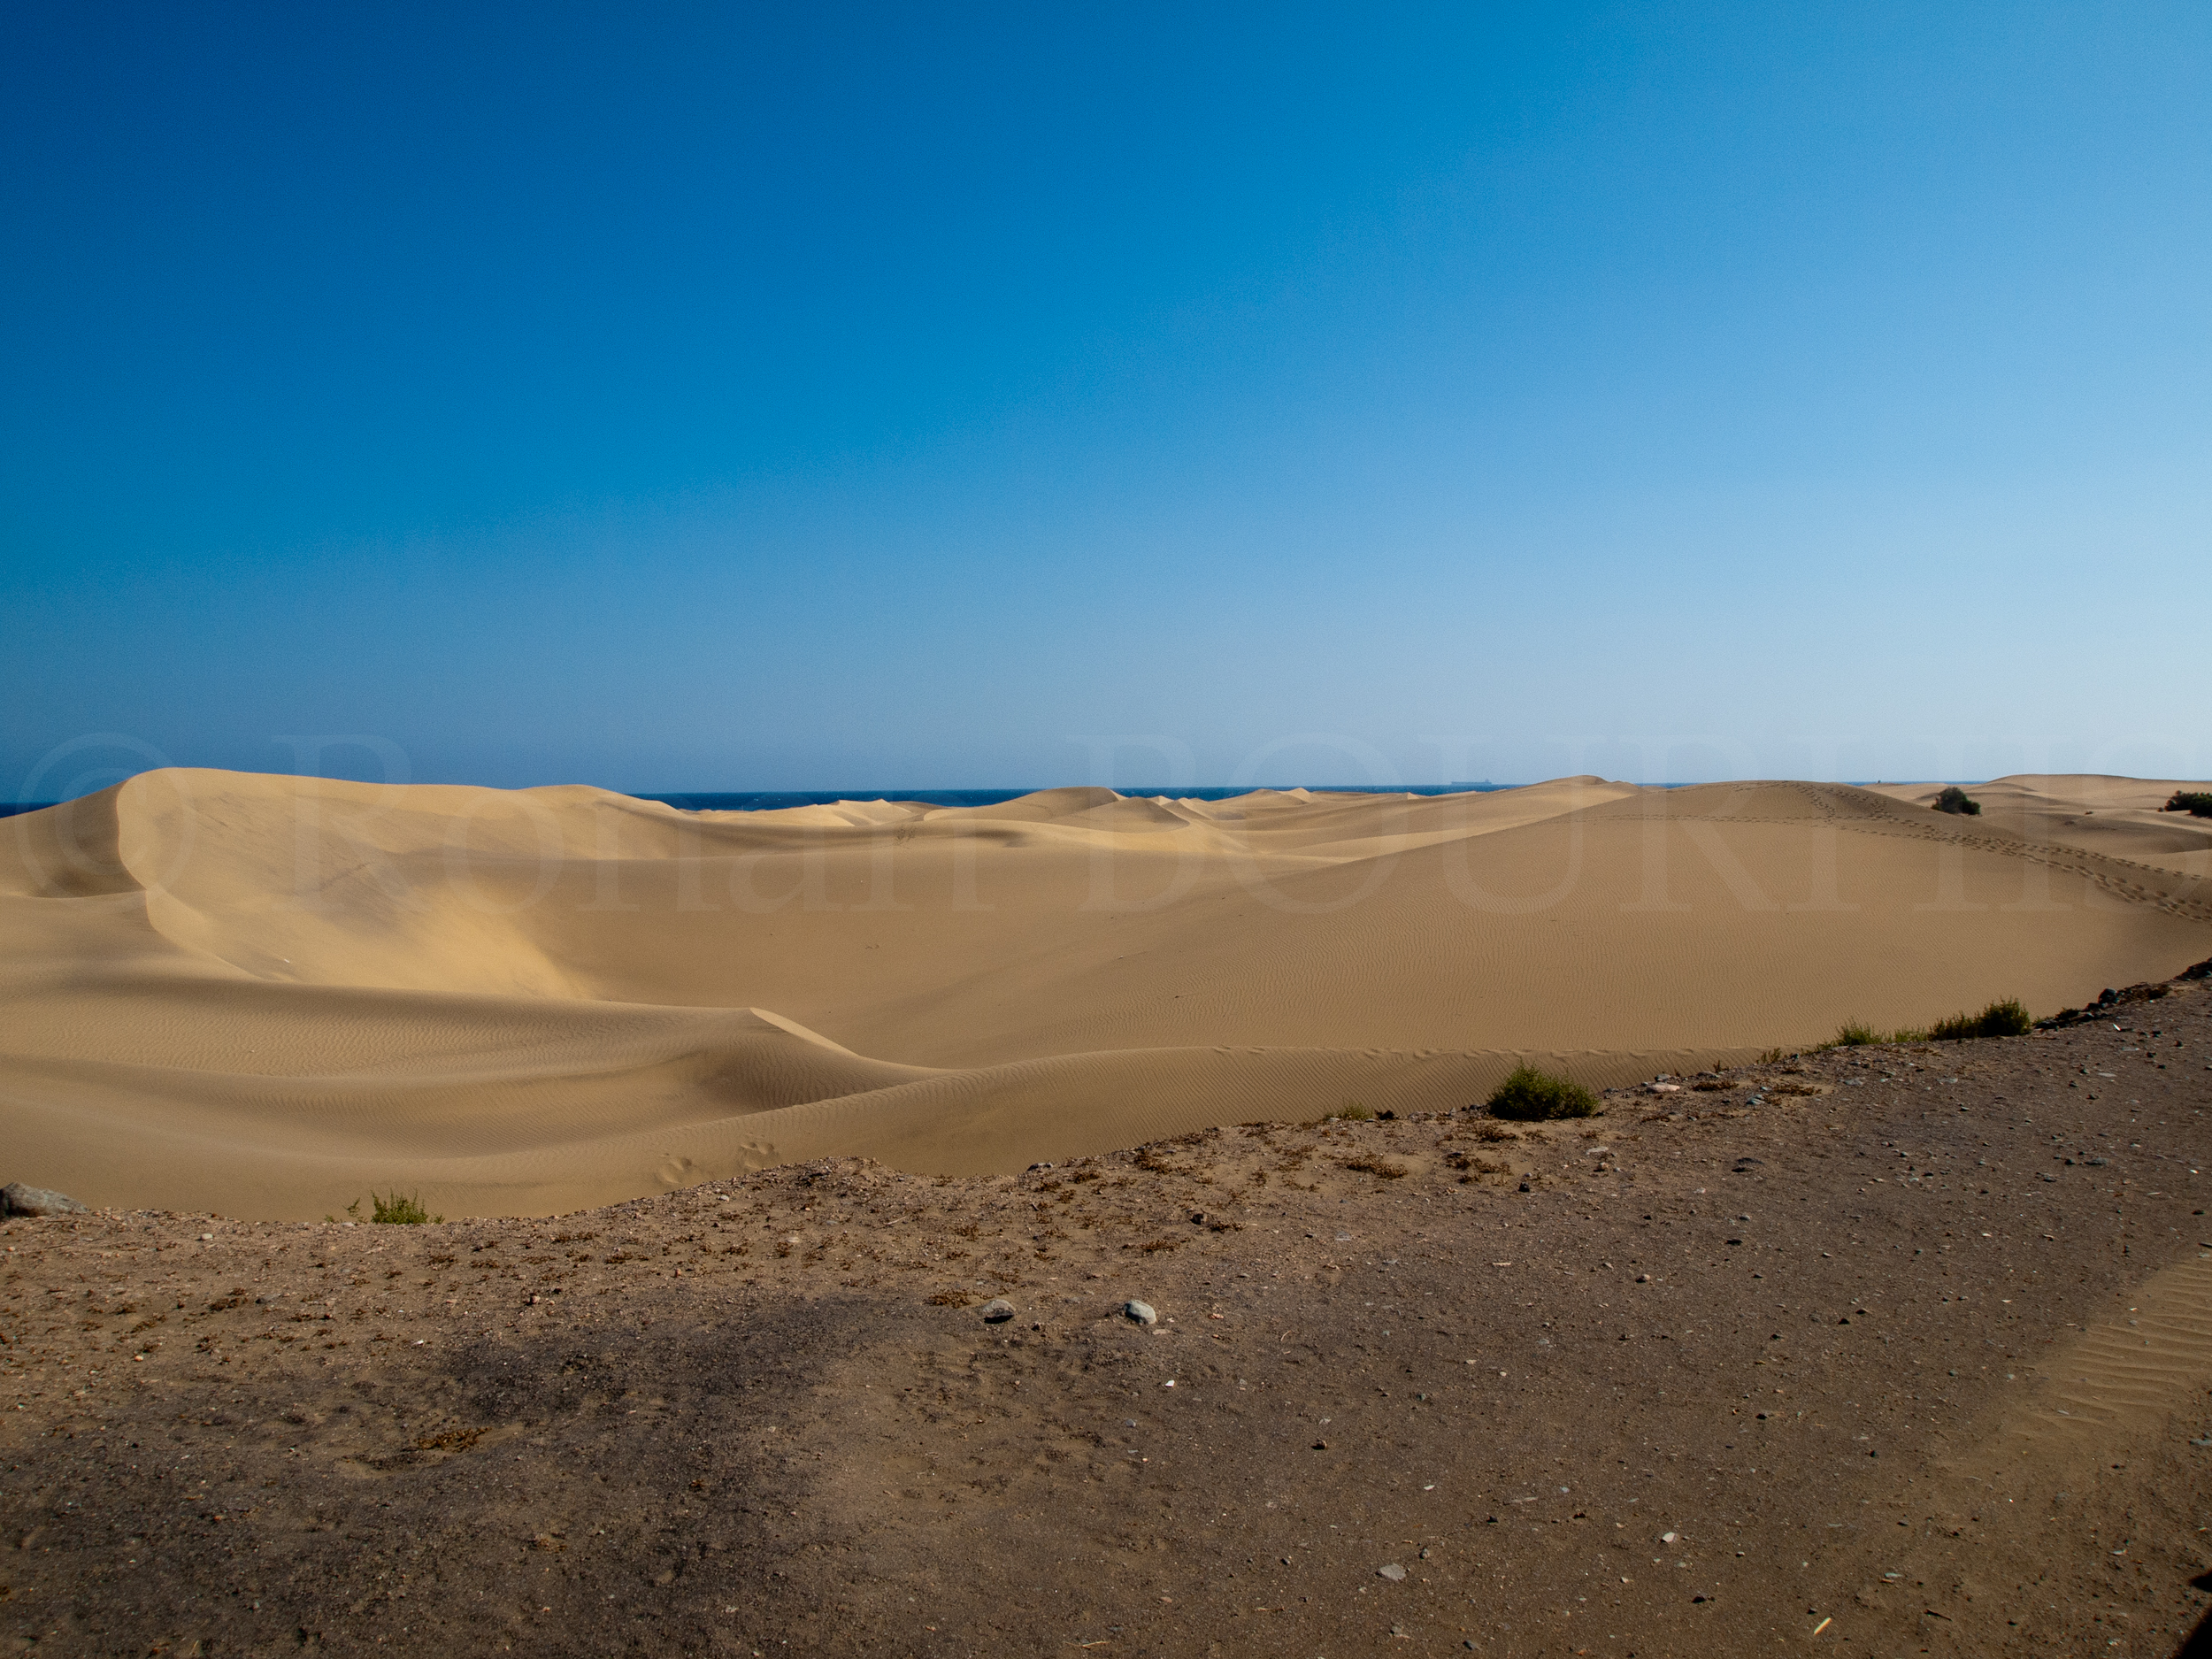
(2006,1019)
(1954,799)
(1856,1033)
(394,1211)
(1351,1112)
(1532,1097)
(2195,802)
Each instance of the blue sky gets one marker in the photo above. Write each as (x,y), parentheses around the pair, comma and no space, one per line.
(697,398)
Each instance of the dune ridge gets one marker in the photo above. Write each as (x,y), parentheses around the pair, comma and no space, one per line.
(265,995)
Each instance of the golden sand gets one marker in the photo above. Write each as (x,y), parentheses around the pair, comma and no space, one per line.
(265,996)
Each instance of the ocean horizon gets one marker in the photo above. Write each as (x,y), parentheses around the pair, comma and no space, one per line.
(770,800)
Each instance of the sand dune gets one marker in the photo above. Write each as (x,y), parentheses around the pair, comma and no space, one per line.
(264,995)
(2095,813)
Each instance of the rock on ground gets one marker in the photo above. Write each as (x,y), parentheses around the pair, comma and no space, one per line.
(16,1198)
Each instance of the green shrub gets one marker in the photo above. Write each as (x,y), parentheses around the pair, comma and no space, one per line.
(1856,1033)
(1351,1112)
(1954,799)
(1532,1097)
(2195,802)
(395,1210)
(2006,1019)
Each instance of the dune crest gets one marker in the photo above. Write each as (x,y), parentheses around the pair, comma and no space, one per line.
(263,994)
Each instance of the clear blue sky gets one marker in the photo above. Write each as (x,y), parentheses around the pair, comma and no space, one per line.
(832,396)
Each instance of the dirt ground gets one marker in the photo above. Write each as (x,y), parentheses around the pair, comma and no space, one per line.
(1894,1350)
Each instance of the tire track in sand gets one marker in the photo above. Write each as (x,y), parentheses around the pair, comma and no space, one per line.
(2116,1413)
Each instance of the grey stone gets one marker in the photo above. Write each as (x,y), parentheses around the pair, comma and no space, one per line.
(998,1310)
(1393,1572)
(1142,1312)
(19,1199)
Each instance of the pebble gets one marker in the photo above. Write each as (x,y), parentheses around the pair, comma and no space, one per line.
(1393,1572)
(1142,1312)
(998,1310)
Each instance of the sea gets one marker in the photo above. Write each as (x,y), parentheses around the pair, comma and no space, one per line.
(768,800)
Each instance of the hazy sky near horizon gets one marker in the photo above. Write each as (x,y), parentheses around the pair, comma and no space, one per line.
(706,397)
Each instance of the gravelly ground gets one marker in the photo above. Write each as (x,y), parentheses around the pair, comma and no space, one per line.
(1844,1338)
